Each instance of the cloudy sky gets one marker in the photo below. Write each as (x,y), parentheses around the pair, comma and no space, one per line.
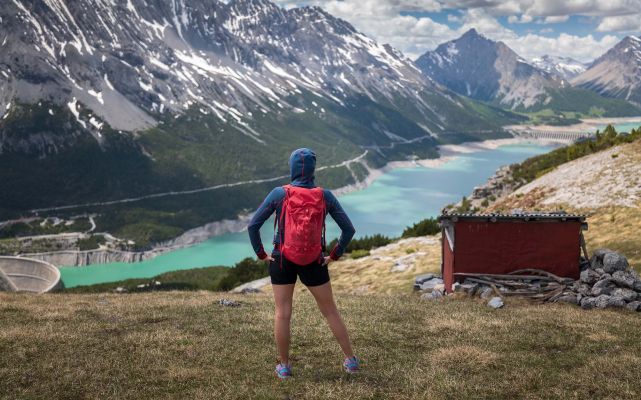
(582,29)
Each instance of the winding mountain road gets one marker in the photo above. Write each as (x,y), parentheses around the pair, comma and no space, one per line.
(192,191)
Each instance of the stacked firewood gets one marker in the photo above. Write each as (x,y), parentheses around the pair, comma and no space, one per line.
(534,284)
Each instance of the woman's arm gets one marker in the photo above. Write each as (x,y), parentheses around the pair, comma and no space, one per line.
(265,210)
(347,229)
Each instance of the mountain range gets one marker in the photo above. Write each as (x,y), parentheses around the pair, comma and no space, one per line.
(105,101)
(115,106)
(483,69)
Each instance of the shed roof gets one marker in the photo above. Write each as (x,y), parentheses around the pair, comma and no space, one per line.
(525,216)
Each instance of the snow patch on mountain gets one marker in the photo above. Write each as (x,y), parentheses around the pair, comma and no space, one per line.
(563,67)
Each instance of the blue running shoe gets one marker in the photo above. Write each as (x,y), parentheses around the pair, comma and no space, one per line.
(283,371)
(352,365)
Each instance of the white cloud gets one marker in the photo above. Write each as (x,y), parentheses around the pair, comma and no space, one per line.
(582,48)
(555,19)
(599,8)
(413,35)
(625,23)
(524,19)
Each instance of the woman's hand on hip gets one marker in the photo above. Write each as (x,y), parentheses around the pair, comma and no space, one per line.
(327,260)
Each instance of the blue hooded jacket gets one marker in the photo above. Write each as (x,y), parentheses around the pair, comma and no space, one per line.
(302,164)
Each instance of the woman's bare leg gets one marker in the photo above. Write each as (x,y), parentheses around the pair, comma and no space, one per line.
(283,295)
(325,300)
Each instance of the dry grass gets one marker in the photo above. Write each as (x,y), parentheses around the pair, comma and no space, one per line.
(184,345)
(616,228)
(376,273)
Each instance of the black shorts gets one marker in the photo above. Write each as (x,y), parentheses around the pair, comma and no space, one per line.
(314,274)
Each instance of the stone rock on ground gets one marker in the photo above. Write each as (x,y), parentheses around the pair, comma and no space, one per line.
(614,262)
(570,298)
(634,306)
(626,294)
(589,276)
(228,303)
(432,284)
(623,278)
(602,301)
(423,278)
(495,302)
(434,295)
(604,286)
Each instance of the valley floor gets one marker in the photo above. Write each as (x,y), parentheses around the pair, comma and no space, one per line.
(186,345)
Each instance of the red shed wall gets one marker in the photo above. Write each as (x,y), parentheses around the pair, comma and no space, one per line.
(504,246)
(448,264)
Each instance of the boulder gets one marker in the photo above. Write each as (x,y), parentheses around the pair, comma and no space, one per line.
(637,286)
(432,284)
(589,276)
(569,298)
(602,287)
(616,301)
(623,279)
(634,306)
(602,301)
(600,253)
(495,302)
(469,288)
(584,289)
(588,303)
(614,262)
(423,278)
(626,294)
(434,295)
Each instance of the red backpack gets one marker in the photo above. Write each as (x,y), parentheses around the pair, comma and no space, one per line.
(304,214)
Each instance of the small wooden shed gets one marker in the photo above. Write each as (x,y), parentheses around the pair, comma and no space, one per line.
(500,244)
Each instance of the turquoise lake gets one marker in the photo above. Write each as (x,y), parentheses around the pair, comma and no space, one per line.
(393,201)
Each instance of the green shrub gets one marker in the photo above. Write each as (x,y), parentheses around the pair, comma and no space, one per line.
(359,254)
(364,243)
(247,270)
(428,226)
(91,243)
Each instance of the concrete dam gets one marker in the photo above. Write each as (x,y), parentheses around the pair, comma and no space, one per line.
(19,274)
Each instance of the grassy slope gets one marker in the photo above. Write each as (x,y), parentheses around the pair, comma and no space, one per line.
(184,345)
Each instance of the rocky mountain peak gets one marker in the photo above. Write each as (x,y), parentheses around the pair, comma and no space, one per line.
(617,73)
(478,67)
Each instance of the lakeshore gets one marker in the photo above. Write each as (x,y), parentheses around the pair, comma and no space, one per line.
(409,191)
(81,258)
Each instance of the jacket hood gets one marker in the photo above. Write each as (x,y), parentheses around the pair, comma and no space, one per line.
(302,164)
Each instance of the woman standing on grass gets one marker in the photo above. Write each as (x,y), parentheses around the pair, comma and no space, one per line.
(299,239)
